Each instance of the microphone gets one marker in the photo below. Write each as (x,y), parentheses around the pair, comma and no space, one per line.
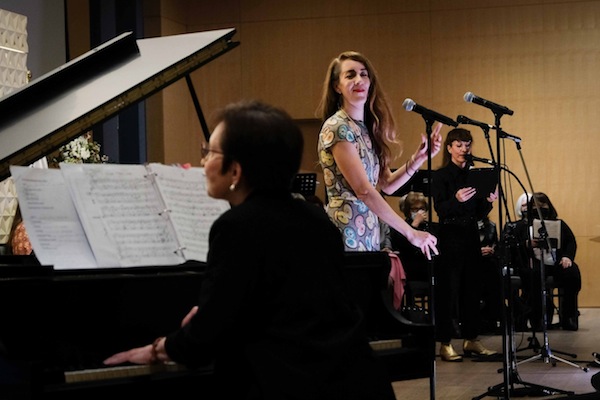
(410,105)
(471,98)
(506,135)
(503,135)
(470,158)
(468,121)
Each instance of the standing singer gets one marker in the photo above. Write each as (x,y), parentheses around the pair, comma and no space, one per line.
(354,152)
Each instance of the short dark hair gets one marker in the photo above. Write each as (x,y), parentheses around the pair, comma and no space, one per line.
(265,141)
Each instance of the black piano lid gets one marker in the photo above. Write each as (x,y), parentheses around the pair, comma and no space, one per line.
(59,106)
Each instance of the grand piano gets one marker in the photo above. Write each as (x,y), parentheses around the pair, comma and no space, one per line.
(57,325)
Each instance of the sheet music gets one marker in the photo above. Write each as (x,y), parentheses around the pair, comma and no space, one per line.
(112,215)
(552,228)
(553,231)
(122,215)
(191,210)
(52,223)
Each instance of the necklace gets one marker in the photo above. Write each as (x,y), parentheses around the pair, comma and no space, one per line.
(359,123)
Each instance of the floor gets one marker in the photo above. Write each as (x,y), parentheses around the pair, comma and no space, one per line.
(472,380)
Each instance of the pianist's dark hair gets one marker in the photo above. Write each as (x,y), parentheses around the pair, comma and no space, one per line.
(265,141)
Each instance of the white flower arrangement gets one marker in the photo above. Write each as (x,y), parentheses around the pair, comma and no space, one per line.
(82,150)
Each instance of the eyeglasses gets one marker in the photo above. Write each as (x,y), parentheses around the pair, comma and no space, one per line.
(205,151)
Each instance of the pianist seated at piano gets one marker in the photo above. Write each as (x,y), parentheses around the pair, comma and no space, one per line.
(273,315)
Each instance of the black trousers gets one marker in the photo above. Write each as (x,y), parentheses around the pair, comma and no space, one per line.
(458,281)
(569,280)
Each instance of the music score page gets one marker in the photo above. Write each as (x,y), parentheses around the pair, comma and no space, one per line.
(132,215)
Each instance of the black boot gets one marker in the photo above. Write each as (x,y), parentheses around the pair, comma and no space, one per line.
(570,323)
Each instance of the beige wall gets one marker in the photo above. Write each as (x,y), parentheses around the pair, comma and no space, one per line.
(538,57)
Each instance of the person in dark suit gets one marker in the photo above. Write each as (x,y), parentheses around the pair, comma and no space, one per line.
(273,314)
(458,269)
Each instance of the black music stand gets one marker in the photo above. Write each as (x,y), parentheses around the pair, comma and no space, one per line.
(510,373)
(305,184)
(545,352)
(419,182)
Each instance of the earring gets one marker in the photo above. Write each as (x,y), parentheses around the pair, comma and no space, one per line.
(232,187)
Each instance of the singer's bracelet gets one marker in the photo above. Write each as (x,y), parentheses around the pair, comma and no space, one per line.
(409,174)
(412,162)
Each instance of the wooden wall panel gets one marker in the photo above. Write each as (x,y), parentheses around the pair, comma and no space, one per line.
(78,21)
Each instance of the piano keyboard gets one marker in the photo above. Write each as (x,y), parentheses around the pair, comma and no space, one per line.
(87,375)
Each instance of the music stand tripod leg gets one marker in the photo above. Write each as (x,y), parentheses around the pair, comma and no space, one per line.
(571,363)
(511,375)
(545,352)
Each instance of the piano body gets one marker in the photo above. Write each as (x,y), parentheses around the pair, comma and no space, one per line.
(56,326)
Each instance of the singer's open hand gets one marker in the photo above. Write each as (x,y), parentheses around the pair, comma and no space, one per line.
(426,242)
(436,144)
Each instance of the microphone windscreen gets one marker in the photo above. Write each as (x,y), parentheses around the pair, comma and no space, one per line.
(408,104)
(469,97)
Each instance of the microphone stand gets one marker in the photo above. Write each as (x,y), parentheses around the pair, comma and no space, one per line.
(486,132)
(534,343)
(510,374)
(430,117)
(430,269)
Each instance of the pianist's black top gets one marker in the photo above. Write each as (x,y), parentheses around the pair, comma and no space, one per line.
(273,312)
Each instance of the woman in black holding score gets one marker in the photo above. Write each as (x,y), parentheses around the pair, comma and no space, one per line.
(458,268)
(273,313)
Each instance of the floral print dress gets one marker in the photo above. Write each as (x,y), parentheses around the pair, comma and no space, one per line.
(358,224)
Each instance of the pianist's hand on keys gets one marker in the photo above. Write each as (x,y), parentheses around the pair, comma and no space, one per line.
(148,354)
(138,355)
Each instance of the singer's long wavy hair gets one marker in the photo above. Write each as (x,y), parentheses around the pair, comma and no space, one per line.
(460,134)
(378,114)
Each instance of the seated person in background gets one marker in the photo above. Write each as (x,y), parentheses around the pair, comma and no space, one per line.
(521,206)
(415,208)
(273,316)
(491,310)
(558,263)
